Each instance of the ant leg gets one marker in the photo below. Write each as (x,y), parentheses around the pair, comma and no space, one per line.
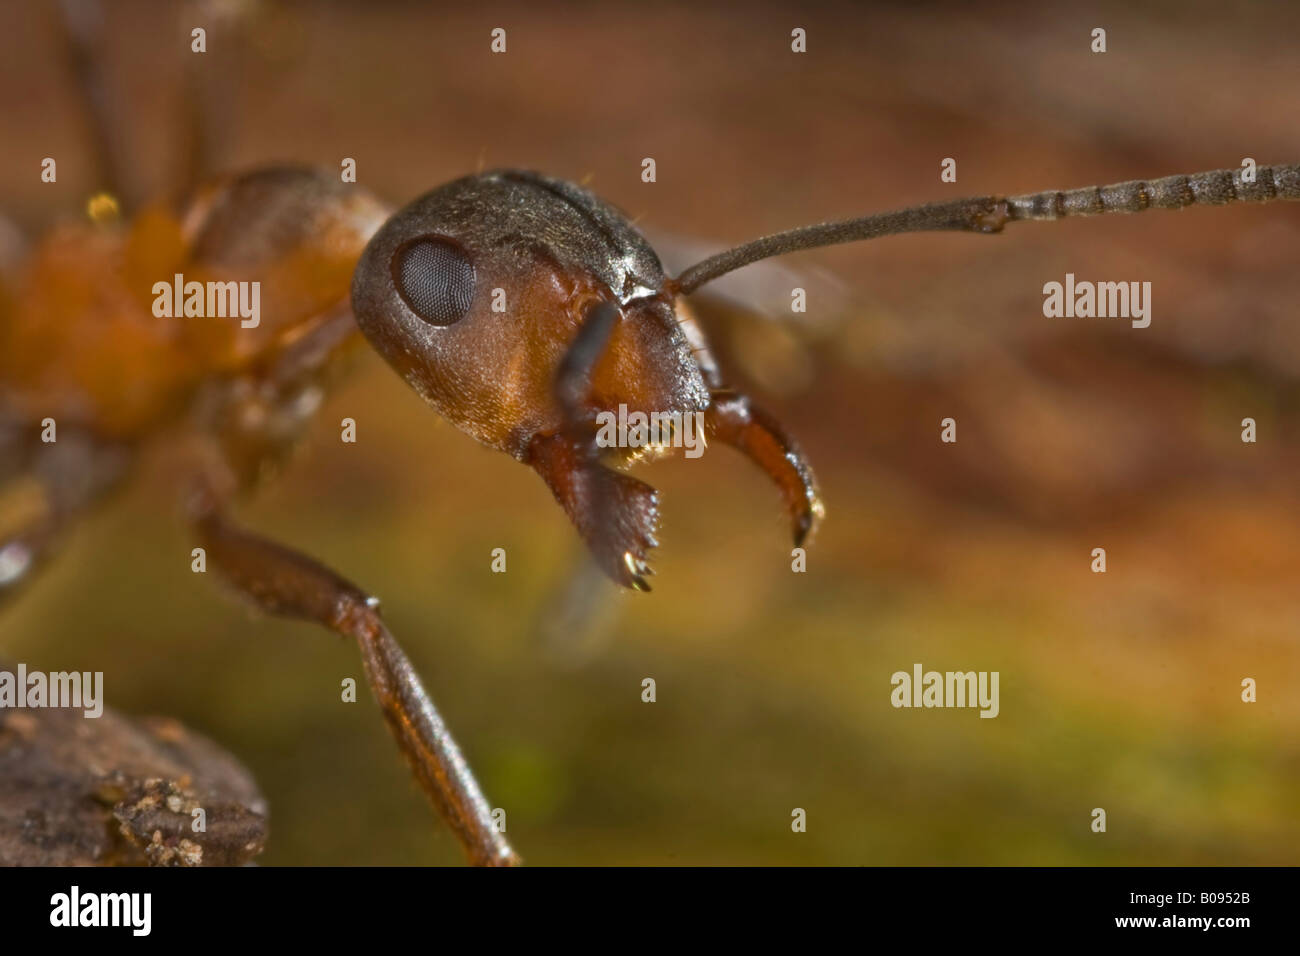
(82,23)
(581,612)
(733,420)
(287,583)
(615,514)
(210,96)
(67,477)
(23,552)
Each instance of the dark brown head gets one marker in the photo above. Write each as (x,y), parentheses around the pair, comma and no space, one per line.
(475,291)
(525,310)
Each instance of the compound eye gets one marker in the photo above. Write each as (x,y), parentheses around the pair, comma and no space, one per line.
(435,278)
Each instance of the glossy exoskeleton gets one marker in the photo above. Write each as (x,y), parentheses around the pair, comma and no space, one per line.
(591,323)
(520,307)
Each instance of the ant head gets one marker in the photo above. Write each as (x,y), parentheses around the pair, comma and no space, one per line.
(474,292)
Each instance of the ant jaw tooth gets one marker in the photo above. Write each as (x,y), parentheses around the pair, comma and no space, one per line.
(638,570)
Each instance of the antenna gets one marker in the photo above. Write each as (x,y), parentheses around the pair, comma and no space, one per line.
(989,214)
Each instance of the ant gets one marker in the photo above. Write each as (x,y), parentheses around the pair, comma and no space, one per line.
(594,323)
(591,323)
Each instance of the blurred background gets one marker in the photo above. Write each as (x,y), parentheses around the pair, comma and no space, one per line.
(1119,691)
